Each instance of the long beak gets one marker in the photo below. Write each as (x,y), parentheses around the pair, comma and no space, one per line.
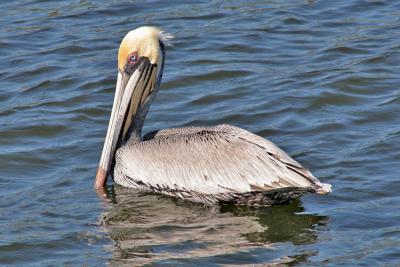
(129,92)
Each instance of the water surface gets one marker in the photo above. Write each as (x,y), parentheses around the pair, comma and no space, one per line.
(318,78)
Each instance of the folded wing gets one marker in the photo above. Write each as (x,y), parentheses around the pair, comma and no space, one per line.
(223,160)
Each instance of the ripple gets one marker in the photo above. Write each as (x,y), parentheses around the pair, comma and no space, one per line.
(346,50)
(201,17)
(210,77)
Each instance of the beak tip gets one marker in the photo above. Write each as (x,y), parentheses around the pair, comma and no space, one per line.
(101,178)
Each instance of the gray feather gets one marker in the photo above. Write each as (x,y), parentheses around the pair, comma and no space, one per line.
(211,164)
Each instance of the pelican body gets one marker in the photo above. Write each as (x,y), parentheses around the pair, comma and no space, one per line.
(215,164)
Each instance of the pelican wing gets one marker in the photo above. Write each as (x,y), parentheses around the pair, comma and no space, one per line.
(222,161)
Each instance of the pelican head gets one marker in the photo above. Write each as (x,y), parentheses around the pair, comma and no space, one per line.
(140,66)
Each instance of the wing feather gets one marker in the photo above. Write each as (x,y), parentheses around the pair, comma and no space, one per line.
(209,160)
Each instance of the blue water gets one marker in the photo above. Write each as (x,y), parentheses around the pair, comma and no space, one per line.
(318,78)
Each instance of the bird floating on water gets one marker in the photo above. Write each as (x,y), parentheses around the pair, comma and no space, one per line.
(209,165)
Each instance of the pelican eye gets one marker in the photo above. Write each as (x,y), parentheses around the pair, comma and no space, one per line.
(133,57)
(132,62)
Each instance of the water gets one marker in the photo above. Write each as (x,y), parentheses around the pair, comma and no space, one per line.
(318,78)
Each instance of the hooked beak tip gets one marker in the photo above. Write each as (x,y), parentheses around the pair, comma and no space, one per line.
(101,178)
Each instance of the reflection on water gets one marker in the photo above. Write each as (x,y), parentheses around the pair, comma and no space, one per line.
(151,228)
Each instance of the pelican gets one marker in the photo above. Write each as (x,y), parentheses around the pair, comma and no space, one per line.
(209,165)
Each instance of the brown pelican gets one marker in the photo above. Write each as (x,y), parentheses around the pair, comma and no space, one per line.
(215,164)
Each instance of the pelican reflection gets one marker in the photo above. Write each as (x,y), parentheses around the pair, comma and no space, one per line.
(150,228)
